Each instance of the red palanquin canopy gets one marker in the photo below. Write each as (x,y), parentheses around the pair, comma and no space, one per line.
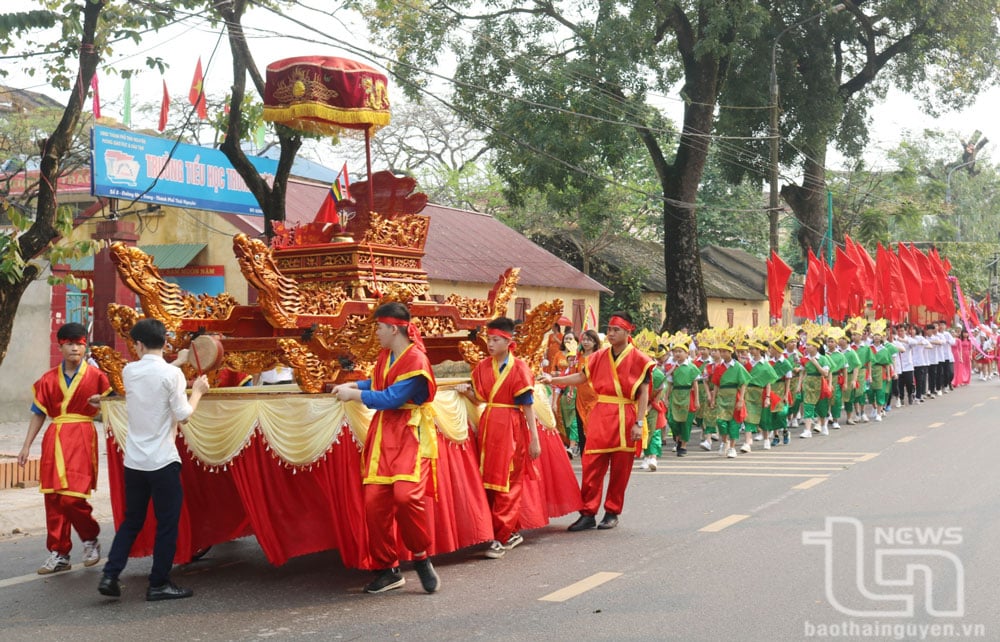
(324,95)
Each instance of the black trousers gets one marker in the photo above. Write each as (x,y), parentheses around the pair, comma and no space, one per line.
(920,374)
(906,385)
(948,374)
(163,486)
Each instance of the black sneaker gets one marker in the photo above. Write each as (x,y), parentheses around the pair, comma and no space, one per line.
(583,523)
(428,576)
(168,591)
(682,451)
(386,581)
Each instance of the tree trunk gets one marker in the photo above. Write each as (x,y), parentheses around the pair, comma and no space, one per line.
(808,202)
(43,231)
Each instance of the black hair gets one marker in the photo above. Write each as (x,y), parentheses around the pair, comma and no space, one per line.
(625,315)
(71,331)
(150,333)
(592,334)
(393,310)
(779,344)
(503,324)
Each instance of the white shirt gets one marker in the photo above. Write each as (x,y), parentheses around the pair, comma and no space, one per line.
(156,401)
(904,358)
(279,374)
(918,350)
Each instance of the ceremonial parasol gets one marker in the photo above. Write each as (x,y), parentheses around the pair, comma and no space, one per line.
(326,95)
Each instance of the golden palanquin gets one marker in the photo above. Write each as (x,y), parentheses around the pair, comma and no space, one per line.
(315,300)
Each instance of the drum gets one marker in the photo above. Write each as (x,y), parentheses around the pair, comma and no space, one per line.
(206,353)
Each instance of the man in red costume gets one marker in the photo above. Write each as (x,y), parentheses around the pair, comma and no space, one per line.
(508,435)
(395,458)
(69,393)
(618,374)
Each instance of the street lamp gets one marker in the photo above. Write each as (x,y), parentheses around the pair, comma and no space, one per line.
(772,209)
(947,196)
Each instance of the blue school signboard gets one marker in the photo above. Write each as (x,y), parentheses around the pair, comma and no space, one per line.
(131,166)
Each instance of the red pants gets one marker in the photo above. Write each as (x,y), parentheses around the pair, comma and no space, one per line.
(595,466)
(505,508)
(63,512)
(401,504)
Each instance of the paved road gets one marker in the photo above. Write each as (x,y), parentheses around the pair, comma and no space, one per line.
(708,549)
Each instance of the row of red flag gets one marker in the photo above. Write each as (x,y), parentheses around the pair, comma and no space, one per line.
(196,96)
(892,283)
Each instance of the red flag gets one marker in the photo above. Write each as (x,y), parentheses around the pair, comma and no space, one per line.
(892,300)
(778,274)
(196,95)
(850,294)
(328,210)
(946,303)
(164,108)
(867,266)
(812,292)
(928,295)
(834,308)
(911,275)
(96,96)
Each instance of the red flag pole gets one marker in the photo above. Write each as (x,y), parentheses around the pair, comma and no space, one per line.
(368,161)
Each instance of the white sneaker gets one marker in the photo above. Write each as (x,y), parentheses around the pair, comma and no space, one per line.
(805,434)
(495,551)
(715,436)
(767,444)
(731,453)
(745,448)
(899,403)
(513,541)
(706,445)
(940,394)
(674,449)
(645,464)
(864,418)
(878,417)
(824,431)
(794,423)
(758,437)
(652,464)
(722,448)
(54,564)
(91,552)
(836,426)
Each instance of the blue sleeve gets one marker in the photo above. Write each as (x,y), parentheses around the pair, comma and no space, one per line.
(526,398)
(36,410)
(365,384)
(408,390)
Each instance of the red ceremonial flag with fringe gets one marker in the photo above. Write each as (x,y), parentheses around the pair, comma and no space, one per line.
(911,275)
(778,273)
(164,108)
(196,95)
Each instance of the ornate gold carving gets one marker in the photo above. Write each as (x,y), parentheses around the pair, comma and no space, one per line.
(408,230)
(122,318)
(495,305)
(250,362)
(160,299)
(278,295)
(472,352)
(530,335)
(303,85)
(322,298)
(435,326)
(310,372)
(112,363)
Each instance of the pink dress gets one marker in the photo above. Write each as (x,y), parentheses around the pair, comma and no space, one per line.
(962,351)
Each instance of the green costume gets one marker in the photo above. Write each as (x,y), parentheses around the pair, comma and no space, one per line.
(864,355)
(838,365)
(761,376)
(679,415)
(881,373)
(655,444)
(734,378)
(778,419)
(812,405)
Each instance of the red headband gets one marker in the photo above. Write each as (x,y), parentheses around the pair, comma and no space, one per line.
(81,341)
(495,332)
(412,333)
(619,322)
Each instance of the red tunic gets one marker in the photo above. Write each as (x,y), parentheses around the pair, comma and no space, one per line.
(69,447)
(392,449)
(502,426)
(616,382)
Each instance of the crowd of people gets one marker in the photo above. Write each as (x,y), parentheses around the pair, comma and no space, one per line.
(616,397)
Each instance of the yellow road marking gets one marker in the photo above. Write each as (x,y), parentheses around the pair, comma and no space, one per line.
(577,588)
(24,579)
(725,522)
(809,483)
(959,413)
(868,457)
(723,473)
(745,463)
(936,424)
(905,440)
(977,405)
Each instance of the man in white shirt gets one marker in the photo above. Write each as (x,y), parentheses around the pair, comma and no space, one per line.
(156,402)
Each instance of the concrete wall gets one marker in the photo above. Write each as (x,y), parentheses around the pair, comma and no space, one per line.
(742,311)
(28,353)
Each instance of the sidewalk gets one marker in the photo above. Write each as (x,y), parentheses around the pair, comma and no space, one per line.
(22,512)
